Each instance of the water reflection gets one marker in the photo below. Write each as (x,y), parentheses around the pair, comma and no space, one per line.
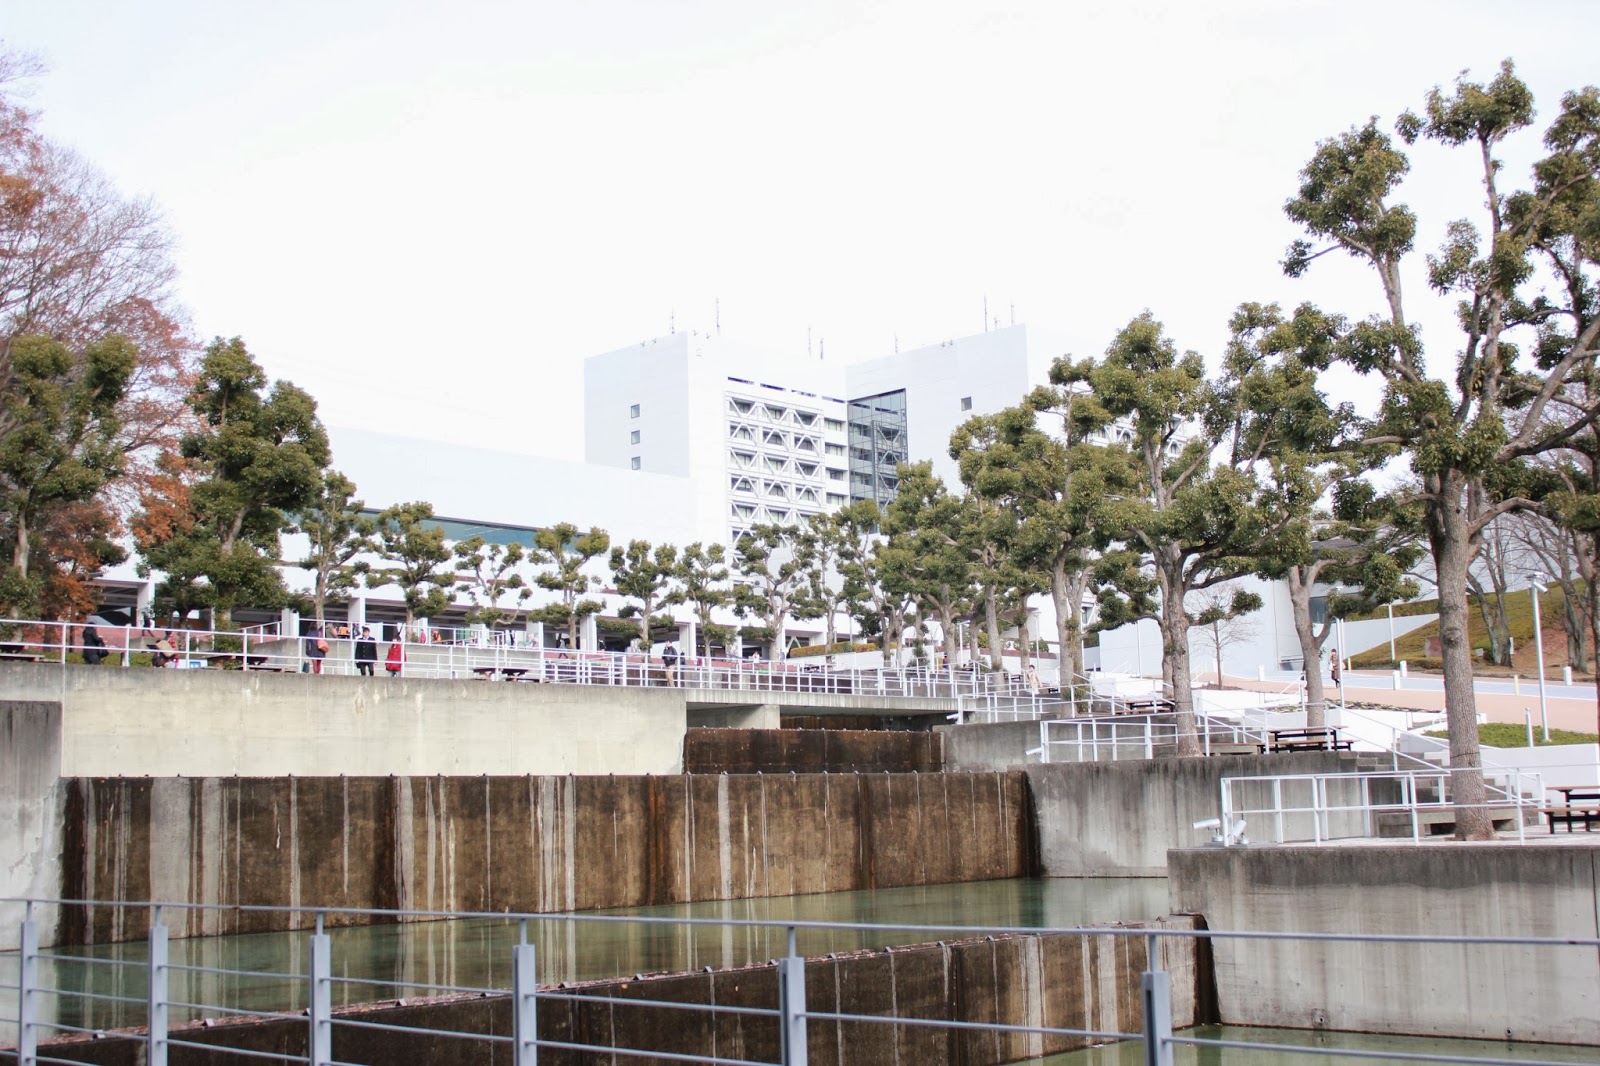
(1131,1053)
(391,961)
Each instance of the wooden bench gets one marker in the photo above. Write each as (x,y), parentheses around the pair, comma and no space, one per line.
(1583,805)
(1231,748)
(1325,738)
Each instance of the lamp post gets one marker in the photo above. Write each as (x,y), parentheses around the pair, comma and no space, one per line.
(1536,586)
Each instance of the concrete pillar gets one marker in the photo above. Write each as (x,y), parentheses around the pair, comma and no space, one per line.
(536,634)
(357,613)
(144,602)
(589,633)
(689,637)
(289,622)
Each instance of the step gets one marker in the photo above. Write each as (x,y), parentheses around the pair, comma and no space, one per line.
(1438,822)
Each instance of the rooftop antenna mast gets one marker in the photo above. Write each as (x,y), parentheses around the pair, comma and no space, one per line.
(672,321)
(1013,314)
(719,315)
(986,312)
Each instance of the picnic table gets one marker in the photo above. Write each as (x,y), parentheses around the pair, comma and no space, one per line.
(1323,738)
(509,673)
(1582,804)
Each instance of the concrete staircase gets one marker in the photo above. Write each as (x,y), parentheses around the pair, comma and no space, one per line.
(1435,822)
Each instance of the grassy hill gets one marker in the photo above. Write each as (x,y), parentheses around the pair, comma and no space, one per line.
(1519,615)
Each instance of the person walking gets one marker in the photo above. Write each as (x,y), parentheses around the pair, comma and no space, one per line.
(396,660)
(94,649)
(316,649)
(669,659)
(366,652)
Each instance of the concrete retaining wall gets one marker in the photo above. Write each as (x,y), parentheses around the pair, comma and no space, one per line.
(523,843)
(1048,980)
(30,808)
(1487,992)
(1119,819)
(811,751)
(209,723)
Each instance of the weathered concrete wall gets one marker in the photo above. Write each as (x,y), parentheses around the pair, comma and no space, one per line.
(996,746)
(812,751)
(211,723)
(30,808)
(1081,982)
(523,843)
(1489,992)
(1118,819)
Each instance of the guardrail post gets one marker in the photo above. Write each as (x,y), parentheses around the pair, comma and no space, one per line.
(524,1005)
(1156,986)
(27,982)
(156,981)
(792,1005)
(321,1045)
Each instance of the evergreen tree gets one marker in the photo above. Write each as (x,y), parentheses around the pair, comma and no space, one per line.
(702,582)
(407,537)
(919,524)
(338,535)
(771,565)
(491,576)
(259,455)
(643,573)
(563,548)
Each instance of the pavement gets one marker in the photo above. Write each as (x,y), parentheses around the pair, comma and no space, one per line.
(1499,699)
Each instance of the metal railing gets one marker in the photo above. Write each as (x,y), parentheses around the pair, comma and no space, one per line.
(307,1002)
(263,649)
(1111,738)
(1321,808)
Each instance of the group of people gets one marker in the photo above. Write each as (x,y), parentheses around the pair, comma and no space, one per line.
(366,653)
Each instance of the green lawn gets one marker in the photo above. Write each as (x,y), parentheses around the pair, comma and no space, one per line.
(1511,735)
(1519,615)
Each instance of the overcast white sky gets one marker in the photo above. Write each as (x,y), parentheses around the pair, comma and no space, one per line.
(429,213)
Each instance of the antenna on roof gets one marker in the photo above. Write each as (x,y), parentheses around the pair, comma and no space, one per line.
(1013,314)
(719,315)
(986,312)
(821,347)
(672,321)
(897,344)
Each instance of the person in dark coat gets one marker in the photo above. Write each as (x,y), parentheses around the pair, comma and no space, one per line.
(94,649)
(366,652)
(316,648)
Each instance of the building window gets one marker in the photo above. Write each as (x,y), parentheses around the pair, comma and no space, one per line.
(633,438)
(634,462)
(833,425)
(966,403)
(633,412)
(835,449)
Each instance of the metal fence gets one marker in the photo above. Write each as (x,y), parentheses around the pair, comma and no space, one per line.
(310,996)
(1320,808)
(264,649)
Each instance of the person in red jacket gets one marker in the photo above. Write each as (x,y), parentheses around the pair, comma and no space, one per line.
(396,659)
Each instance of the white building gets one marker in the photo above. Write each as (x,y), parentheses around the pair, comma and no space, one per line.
(693,437)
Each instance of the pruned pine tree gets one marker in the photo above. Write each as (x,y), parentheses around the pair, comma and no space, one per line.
(771,567)
(491,573)
(919,523)
(1338,531)
(259,455)
(1524,279)
(1195,521)
(643,573)
(338,536)
(568,552)
(824,544)
(701,578)
(415,558)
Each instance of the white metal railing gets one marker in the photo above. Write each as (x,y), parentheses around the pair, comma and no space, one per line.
(155,995)
(1318,808)
(1110,738)
(441,655)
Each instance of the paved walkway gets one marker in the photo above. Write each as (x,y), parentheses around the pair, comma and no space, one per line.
(1570,706)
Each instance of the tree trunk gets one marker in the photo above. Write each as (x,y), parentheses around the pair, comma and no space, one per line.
(991,625)
(1175,661)
(20,557)
(1593,588)
(947,627)
(1572,609)
(1310,649)
(1452,555)
(1066,592)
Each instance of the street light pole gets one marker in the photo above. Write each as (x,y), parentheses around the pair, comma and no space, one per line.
(1538,646)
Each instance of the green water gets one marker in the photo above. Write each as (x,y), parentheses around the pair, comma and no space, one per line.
(376,962)
(1131,1053)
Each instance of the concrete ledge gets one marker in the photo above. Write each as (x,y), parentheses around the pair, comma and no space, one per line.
(1118,819)
(1486,992)
(212,723)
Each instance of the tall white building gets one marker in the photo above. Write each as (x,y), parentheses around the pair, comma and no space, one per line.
(776,438)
